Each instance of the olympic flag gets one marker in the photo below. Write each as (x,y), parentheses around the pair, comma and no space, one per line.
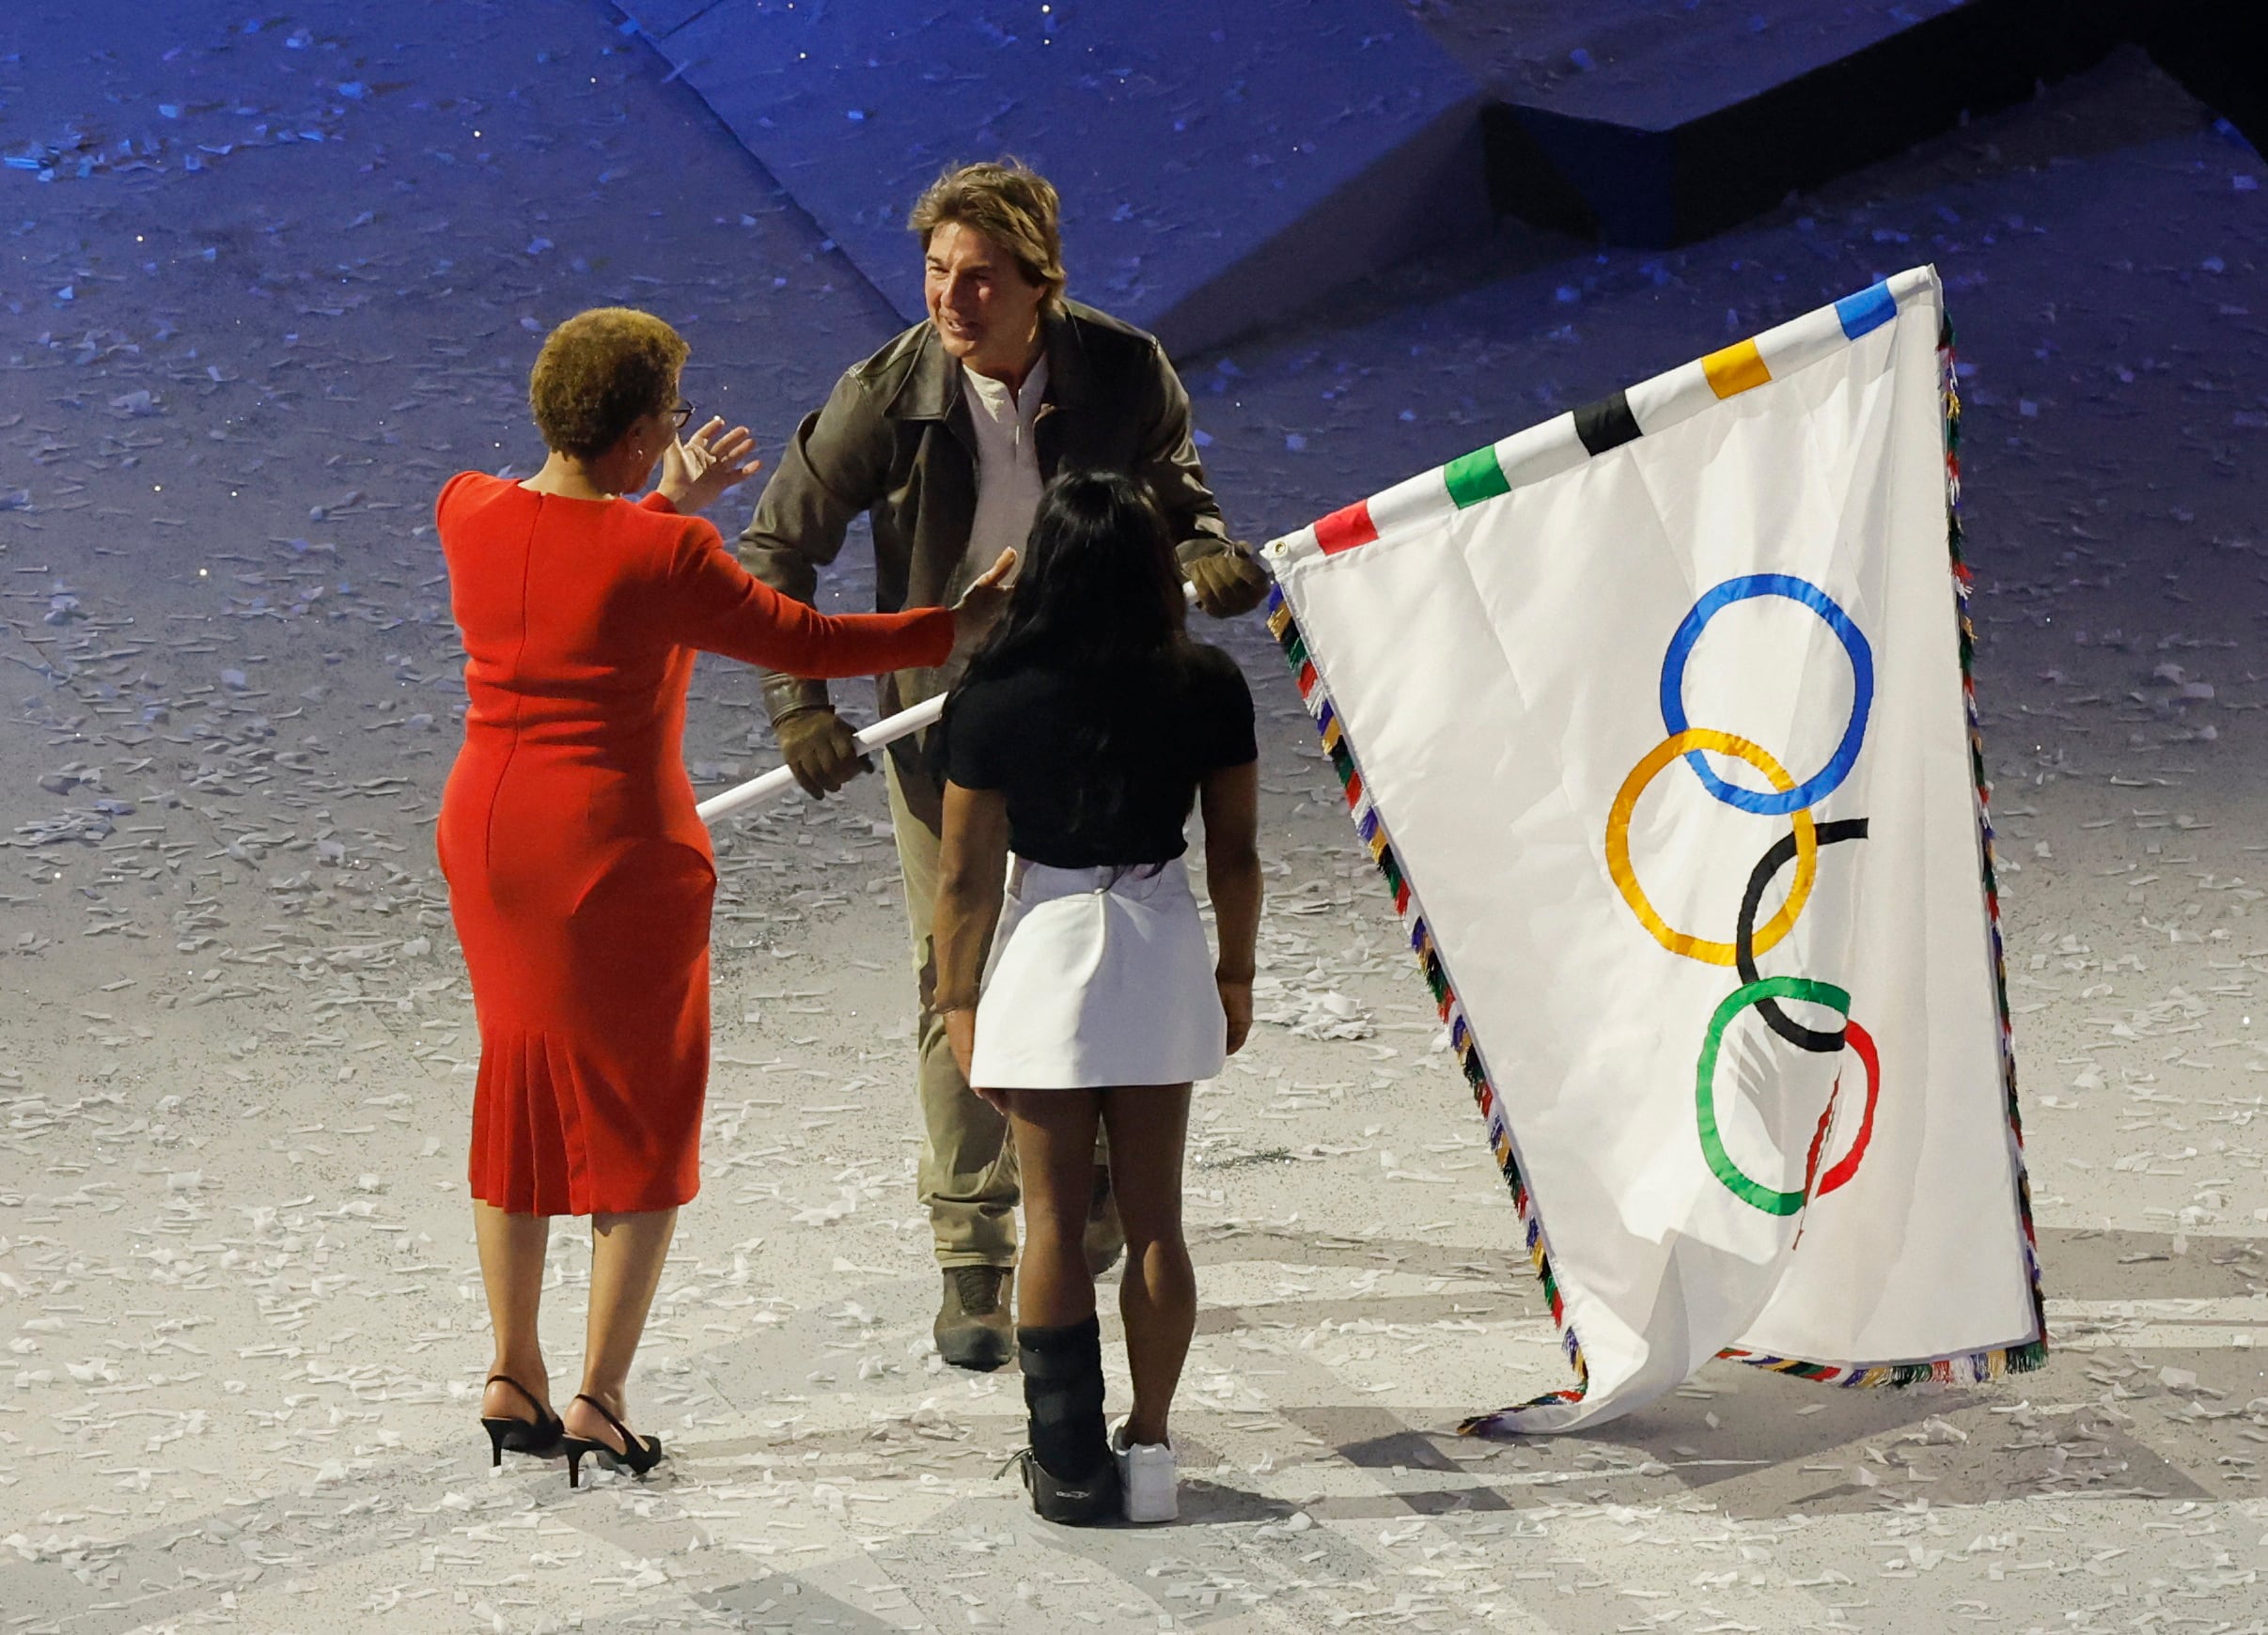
(1655,717)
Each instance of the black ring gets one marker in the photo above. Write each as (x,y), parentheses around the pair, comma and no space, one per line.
(1744,936)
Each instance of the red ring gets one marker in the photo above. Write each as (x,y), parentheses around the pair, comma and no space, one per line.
(1862,1044)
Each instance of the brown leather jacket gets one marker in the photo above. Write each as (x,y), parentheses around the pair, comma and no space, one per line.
(895,441)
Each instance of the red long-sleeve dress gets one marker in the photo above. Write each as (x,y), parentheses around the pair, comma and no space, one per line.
(579,876)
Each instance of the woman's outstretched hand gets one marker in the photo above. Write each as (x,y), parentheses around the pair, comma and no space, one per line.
(697,471)
(981,605)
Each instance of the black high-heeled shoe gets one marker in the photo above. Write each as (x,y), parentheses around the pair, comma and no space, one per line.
(637,1454)
(540,1435)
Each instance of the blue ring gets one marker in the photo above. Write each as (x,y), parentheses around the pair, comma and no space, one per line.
(1769,803)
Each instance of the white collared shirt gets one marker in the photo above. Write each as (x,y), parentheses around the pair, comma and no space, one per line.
(1008,462)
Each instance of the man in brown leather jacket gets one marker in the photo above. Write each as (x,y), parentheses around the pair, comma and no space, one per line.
(942,439)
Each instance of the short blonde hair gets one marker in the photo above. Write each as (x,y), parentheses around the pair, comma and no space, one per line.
(1011,204)
(599,374)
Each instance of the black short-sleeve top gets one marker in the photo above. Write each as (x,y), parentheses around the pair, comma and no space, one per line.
(1032,735)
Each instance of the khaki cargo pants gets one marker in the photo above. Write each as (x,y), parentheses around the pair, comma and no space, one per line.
(967,1173)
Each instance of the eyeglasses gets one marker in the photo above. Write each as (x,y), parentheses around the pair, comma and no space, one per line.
(682,416)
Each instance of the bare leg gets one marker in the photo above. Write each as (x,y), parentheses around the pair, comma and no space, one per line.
(1055,1142)
(626,1256)
(1158,1295)
(511,1271)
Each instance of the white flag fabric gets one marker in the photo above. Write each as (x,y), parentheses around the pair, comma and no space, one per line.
(1656,718)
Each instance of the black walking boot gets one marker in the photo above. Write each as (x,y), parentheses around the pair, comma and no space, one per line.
(1081,1503)
(1069,1468)
(973,1328)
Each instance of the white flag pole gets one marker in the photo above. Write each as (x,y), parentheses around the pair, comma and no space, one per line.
(779,780)
(889,729)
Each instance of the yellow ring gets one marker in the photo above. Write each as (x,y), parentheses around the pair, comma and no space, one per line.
(1626,878)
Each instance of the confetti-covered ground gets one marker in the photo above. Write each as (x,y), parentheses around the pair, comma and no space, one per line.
(271,279)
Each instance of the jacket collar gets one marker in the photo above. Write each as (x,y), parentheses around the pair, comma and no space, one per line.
(931,388)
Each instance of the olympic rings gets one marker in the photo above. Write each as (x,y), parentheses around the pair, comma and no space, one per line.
(1771,1200)
(1788,797)
(1625,877)
(1788,800)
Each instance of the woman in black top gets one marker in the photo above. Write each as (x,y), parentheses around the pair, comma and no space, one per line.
(1082,735)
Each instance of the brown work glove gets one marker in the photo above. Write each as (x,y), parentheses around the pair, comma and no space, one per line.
(820,750)
(1227,582)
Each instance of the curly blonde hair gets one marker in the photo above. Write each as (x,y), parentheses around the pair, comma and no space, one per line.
(1011,204)
(599,374)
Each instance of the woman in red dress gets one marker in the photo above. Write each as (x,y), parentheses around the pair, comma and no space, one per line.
(580,876)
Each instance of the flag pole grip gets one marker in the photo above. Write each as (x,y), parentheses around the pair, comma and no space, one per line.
(779,780)
(888,730)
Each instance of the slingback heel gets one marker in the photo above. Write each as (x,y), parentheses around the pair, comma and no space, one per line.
(540,1435)
(638,1454)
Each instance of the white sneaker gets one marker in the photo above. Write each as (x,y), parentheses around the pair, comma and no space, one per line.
(1146,1477)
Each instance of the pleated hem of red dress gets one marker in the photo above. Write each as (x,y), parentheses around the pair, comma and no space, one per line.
(539,1149)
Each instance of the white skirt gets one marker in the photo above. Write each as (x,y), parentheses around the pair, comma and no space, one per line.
(1095,983)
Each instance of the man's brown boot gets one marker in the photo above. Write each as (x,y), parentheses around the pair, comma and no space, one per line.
(1104,1238)
(973,1329)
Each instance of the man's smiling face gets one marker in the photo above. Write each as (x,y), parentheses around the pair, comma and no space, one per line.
(986,312)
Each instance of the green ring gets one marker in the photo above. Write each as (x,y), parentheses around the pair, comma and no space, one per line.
(1737,1181)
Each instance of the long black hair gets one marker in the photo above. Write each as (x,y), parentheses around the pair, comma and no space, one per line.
(1098,601)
